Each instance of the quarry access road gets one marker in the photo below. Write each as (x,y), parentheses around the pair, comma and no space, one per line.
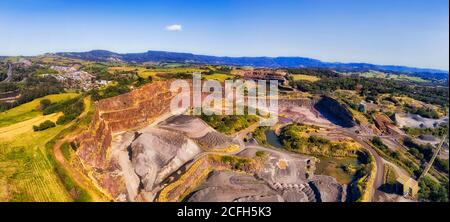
(280,152)
(379,177)
(362,139)
(9,74)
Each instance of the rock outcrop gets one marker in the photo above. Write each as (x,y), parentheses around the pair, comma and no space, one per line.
(282,177)
(334,112)
(125,112)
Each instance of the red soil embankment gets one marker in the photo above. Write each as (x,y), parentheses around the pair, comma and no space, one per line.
(128,111)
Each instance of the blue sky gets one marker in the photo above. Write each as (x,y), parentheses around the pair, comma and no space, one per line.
(400,32)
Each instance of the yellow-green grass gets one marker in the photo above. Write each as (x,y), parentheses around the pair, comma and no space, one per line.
(302,77)
(411,78)
(57,60)
(141,71)
(25,171)
(295,95)
(390,176)
(375,74)
(335,167)
(408,101)
(28,111)
(11,131)
(218,76)
(349,95)
(145,73)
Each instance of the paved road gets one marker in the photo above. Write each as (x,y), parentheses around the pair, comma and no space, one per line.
(363,140)
(9,74)
(378,160)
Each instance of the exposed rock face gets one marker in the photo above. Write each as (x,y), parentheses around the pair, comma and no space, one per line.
(197,130)
(302,110)
(158,153)
(131,157)
(303,102)
(284,177)
(231,186)
(335,112)
(227,186)
(136,109)
(128,111)
(417,121)
(264,74)
(328,189)
(189,125)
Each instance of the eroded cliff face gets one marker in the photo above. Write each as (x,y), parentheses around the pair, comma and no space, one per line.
(334,112)
(113,115)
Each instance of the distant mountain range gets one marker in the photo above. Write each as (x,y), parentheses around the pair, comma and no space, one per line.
(268,62)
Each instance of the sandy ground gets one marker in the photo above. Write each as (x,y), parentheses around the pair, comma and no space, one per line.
(444,154)
(191,126)
(385,197)
(196,129)
(391,144)
(416,121)
(230,186)
(284,177)
(304,114)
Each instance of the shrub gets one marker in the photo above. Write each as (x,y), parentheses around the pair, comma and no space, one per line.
(441,164)
(229,124)
(71,108)
(236,163)
(433,191)
(44,103)
(422,152)
(260,153)
(45,125)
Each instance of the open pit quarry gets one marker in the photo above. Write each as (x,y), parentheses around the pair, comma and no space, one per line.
(135,150)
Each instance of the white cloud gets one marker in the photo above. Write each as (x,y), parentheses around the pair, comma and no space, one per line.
(174,28)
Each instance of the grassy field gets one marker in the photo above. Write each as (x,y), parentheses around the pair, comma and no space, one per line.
(57,60)
(28,111)
(302,77)
(25,172)
(375,74)
(343,169)
(12,131)
(218,76)
(145,73)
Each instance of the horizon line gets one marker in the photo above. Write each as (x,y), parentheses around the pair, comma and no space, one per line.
(215,55)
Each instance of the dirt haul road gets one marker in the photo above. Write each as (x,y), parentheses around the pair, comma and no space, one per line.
(378,182)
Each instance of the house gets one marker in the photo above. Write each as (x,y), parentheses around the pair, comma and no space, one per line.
(407,186)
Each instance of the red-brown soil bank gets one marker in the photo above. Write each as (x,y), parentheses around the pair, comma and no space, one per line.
(125,112)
